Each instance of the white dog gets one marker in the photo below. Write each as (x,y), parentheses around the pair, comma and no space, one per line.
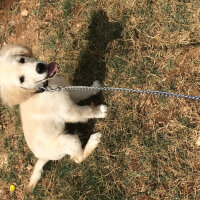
(44,114)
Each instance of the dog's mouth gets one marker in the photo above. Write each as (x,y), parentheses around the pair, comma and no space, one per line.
(51,69)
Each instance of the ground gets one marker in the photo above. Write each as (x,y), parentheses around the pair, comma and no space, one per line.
(148,149)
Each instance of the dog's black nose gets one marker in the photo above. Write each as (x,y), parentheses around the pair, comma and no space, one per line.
(40,68)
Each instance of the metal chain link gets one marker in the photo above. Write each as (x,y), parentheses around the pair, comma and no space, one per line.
(168,94)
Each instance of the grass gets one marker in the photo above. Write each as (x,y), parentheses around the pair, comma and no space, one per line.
(148,148)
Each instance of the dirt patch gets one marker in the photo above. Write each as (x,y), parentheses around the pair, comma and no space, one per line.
(27,23)
(21,26)
(6,4)
(5,7)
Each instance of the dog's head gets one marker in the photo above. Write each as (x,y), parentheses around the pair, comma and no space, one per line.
(20,74)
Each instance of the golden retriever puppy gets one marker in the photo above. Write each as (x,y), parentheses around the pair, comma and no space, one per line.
(44,114)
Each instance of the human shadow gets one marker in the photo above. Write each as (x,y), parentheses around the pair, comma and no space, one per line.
(92,66)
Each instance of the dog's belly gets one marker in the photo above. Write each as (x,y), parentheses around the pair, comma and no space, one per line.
(48,150)
(42,140)
(43,122)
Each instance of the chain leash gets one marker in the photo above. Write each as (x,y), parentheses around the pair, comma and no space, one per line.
(159,93)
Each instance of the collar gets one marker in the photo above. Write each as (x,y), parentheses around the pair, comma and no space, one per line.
(41,90)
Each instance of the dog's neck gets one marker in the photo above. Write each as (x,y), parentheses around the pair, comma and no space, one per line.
(45,85)
(15,95)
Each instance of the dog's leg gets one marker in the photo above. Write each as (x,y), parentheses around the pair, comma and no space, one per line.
(35,177)
(78,95)
(89,148)
(72,146)
(83,113)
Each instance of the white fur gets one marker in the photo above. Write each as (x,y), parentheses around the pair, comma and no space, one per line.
(44,114)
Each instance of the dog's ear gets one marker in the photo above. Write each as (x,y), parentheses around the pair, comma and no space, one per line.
(15,50)
(15,95)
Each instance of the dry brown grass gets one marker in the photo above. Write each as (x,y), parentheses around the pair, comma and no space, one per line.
(148,149)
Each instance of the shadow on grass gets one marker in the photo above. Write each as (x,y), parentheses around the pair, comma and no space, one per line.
(92,64)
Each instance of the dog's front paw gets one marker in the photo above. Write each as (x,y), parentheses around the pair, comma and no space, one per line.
(101,111)
(96,84)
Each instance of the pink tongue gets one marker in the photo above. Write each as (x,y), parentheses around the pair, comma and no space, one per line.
(52,68)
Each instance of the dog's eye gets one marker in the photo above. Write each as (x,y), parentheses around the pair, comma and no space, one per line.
(21,79)
(22,60)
